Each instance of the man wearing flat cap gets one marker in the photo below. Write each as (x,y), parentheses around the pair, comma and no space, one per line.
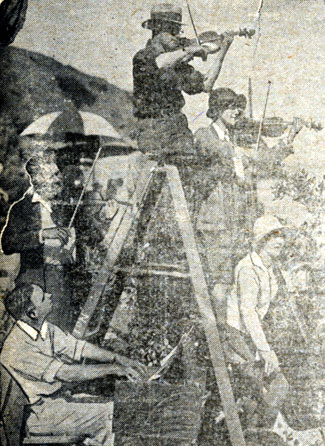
(161,73)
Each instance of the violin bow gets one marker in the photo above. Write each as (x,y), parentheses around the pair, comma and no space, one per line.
(85,187)
(269,83)
(259,27)
(193,24)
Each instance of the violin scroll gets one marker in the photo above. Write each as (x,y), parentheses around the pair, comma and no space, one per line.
(248,33)
(310,124)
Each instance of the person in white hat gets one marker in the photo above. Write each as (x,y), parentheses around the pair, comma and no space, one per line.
(257,280)
(161,73)
(257,283)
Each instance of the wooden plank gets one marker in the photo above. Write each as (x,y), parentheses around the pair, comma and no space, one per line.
(203,300)
(152,272)
(116,237)
(51,439)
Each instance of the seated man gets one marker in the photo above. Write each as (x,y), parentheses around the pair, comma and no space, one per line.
(40,357)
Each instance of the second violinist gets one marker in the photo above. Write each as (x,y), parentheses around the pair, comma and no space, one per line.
(161,73)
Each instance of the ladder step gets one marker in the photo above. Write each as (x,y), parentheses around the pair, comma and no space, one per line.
(152,272)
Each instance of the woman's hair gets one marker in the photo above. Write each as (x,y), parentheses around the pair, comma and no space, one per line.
(223,98)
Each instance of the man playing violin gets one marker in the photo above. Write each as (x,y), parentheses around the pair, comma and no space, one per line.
(161,73)
(37,230)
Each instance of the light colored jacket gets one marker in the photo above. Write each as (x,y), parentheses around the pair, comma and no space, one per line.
(254,289)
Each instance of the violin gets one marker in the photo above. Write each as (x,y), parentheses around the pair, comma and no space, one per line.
(212,40)
(247,129)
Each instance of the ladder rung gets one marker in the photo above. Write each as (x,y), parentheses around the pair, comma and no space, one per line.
(152,272)
(175,267)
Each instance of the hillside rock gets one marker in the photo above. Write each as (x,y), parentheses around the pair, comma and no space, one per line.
(32,84)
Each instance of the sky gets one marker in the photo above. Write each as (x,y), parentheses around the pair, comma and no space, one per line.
(100,37)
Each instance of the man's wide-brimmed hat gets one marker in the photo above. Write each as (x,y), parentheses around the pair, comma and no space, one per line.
(164,12)
(268,225)
(223,98)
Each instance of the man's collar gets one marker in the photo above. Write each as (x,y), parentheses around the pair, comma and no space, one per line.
(222,133)
(36,198)
(32,333)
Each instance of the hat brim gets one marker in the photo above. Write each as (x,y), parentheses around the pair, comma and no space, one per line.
(285,231)
(148,24)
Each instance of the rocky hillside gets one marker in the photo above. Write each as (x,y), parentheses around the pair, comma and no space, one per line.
(32,84)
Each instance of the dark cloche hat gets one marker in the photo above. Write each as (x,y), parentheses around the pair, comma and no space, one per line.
(222,98)
(165,12)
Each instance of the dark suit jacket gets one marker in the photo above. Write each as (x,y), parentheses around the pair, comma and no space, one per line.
(22,235)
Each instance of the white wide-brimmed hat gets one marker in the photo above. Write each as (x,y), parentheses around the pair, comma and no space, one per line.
(266,225)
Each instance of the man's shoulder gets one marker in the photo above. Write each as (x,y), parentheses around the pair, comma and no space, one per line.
(144,54)
(245,264)
(203,133)
(249,266)
(52,328)
(25,202)
(13,344)
(56,332)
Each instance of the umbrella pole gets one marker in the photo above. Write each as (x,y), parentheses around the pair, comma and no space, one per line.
(84,188)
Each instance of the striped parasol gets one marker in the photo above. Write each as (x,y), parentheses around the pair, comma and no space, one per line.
(58,129)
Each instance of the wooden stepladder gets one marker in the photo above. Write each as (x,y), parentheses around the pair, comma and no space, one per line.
(116,237)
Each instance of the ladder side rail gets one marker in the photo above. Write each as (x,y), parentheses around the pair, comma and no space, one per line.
(203,300)
(120,231)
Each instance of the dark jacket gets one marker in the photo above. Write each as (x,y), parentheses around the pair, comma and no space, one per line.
(227,206)
(21,234)
(158,91)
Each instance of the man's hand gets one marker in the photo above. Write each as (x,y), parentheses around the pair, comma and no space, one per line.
(271,362)
(120,370)
(61,234)
(227,40)
(131,363)
(197,51)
